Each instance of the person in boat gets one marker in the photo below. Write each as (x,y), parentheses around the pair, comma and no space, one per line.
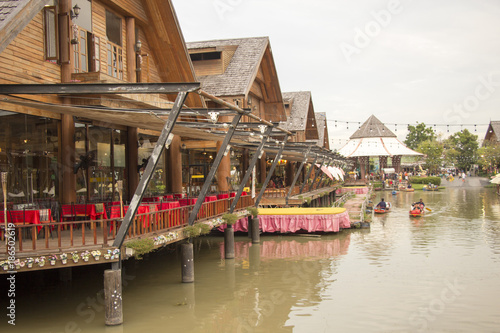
(382,204)
(418,205)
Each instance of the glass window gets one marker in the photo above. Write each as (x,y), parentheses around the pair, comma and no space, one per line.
(28,152)
(157,185)
(101,154)
(50,32)
(114,28)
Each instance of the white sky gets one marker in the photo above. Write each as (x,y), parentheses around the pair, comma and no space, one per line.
(436,62)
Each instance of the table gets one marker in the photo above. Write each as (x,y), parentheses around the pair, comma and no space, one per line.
(142,209)
(168,205)
(83,210)
(31,216)
(210,198)
(187,201)
(233,194)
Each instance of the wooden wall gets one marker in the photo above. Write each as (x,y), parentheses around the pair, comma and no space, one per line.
(23,61)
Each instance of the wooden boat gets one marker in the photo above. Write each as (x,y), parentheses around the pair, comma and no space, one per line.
(383,211)
(408,190)
(416,212)
(427,188)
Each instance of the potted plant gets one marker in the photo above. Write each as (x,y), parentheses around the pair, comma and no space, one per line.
(254,211)
(75,257)
(40,261)
(141,246)
(85,255)
(5,265)
(52,259)
(107,255)
(96,254)
(29,262)
(64,258)
(115,253)
(230,219)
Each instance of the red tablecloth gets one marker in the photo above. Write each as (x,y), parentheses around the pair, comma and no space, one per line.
(178,196)
(223,196)
(233,194)
(209,198)
(168,205)
(82,210)
(187,201)
(143,209)
(24,217)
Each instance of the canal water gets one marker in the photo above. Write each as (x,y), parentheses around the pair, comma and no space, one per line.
(436,273)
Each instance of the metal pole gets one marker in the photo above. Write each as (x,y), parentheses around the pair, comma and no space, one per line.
(250,167)
(213,169)
(148,172)
(297,174)
(269,175)
(308,174)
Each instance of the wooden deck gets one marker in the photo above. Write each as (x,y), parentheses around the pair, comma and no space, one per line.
(298,199)
(163,227)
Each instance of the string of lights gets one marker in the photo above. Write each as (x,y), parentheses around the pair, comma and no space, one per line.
(448,127)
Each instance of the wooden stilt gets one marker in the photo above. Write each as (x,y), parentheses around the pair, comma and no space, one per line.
(229,242)
(187,262)
(113,297)
(255,231)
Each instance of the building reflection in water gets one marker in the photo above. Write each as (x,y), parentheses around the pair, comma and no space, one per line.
(269,279)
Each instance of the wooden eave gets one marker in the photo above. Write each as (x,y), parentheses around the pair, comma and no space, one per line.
(266,77)
(19,21)
(157,18)
(311,125)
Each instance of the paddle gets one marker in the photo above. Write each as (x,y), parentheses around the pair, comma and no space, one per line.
(430,210)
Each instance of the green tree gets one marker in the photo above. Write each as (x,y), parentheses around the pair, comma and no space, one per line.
(461,149)
(433,151)
(489,157)
(418,134)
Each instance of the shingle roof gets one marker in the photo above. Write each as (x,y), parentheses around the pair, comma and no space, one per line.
(495,126)
(12,22)
(321,123)
(299,102)
(373,128)
(239,74)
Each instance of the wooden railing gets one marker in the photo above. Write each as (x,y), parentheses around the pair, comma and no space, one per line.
(71,234)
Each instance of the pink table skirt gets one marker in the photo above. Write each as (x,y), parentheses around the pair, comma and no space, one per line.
(361,190)
(293,223)
(292,249)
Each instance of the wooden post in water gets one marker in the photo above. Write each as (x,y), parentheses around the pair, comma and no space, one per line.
(113,297)
(229,242)
(255,231)
(249,226)
(187,262)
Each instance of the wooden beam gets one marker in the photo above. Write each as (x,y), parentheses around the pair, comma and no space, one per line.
(194,144)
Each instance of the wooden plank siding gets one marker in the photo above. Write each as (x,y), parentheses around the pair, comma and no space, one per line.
(23,61)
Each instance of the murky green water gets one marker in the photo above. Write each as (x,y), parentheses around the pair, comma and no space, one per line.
(438,273)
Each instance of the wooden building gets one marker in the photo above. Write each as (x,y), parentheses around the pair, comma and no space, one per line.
(242,72)
(492,133)
(57,156)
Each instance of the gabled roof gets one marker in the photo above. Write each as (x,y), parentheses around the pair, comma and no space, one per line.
(322,130)
(241,71)
(14,16)
(300,103)
(373,128)
(493,131)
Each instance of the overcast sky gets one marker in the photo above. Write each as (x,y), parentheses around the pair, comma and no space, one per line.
(436,62)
